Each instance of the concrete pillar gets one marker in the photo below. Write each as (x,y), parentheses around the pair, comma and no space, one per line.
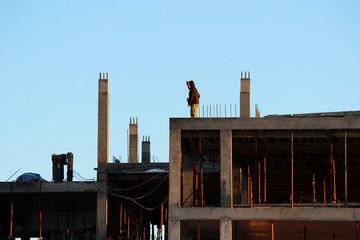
(102,208)
(145,150)
(245,95)
(174,230)
(133,141)
(103,120)
(175,169)
(226,186)
(225,229)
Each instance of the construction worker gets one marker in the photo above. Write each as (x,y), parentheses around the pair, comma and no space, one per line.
(193,99)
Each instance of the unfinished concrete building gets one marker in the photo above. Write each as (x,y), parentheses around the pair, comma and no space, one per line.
(276,177)
(273,177)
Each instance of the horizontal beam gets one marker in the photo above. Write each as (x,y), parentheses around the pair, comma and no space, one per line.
(275,213)
(272,123)
(47,187)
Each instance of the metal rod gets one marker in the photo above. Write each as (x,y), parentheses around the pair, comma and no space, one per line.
(248,183)
(255,172)
(201,184)
(331,172)
(137,231)
(292,169)
(40,220)
(251,192)
(272,231)
(324,192)
(11,216)
(313,185)
(241,180)
(304,231)
(128,226)
(259,168)
(121,216)
(52,218)
(182,180)
(265,179)
(357,231)
(161,219)
(198,228)
(334,179)
(346,172)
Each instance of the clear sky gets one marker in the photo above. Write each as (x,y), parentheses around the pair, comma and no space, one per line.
(304,57)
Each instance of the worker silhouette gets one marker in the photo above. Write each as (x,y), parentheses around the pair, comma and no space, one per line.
(193,99)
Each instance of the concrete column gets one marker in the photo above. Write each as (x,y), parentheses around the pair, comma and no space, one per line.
(245,95)
(174,230)
(145,150)
(102,208)
(103,120)
(133,141)
(225,229)
(175,169)
(226,187)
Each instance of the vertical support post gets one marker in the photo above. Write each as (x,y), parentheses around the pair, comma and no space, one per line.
(103,121)
(133,141)
(226,168)
(244,96)
(272,231)
(292,169)
(174,229)
(102,155)
(102,207)
(346,173)
(175,166)
(305,231)
(265,179)
(225,229)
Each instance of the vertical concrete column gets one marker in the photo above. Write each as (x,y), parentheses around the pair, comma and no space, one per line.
(225,229)
(226,168)
(145,150)
(174,229)
(103,120)
(245,95)
(102,207)
(133,141)
(175,169)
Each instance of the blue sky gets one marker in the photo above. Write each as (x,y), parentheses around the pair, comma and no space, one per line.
(304,56)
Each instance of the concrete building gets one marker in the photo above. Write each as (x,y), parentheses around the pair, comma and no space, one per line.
(276,177)
(273,177)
